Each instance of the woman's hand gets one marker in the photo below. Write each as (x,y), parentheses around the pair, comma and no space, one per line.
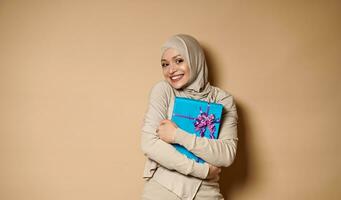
(213,173)
(167,130)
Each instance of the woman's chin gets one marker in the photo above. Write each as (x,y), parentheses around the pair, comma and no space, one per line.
(176,85)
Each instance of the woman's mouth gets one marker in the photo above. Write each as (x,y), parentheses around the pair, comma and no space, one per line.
(176,78)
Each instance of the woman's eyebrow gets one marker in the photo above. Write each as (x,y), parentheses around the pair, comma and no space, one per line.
(172,57)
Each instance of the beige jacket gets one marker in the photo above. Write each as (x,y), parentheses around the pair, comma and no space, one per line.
(164,163)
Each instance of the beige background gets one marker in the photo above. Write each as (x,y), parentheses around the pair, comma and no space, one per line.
(75,78)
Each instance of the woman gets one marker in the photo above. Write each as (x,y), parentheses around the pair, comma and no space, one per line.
(169,174)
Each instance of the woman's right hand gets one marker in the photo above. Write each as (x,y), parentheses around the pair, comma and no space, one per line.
(213,173)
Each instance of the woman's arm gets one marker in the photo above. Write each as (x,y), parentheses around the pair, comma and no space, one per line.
(158,150)
(219,152)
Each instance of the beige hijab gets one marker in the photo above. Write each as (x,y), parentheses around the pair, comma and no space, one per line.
(198,86)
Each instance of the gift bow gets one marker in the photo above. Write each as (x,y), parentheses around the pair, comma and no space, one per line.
(203,121)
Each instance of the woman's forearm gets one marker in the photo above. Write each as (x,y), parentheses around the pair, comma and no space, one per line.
(220,153)
(167,156)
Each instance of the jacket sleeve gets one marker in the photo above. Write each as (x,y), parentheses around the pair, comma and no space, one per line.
(218,152)
(156,149)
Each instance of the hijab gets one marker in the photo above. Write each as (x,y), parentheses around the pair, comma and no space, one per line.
(198,86)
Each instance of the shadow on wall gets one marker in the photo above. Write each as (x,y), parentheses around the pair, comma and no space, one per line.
(236,176)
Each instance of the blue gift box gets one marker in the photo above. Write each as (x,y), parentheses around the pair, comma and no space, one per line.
(196,117)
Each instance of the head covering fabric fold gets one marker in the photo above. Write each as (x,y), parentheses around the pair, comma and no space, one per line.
(198,86)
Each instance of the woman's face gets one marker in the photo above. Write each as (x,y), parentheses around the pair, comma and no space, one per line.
(175,68)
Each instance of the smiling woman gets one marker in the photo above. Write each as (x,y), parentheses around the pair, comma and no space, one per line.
(175,69)
(168,173)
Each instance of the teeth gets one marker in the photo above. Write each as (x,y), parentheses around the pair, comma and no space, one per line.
(176,77)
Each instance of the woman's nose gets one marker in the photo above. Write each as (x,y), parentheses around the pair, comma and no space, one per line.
(172,68)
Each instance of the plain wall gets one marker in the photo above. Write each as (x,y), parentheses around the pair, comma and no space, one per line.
(75,78)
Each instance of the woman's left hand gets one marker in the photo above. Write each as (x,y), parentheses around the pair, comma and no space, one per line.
(167,130)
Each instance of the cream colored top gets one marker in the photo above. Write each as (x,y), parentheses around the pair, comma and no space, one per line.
(164,163)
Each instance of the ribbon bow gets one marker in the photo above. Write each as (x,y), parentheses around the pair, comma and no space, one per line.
(203,121)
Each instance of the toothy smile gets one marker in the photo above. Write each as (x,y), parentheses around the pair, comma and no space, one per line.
(176,77)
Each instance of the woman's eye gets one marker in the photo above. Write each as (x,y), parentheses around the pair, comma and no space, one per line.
(164,64)
(178,61)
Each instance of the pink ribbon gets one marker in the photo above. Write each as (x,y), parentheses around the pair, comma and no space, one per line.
(203,121)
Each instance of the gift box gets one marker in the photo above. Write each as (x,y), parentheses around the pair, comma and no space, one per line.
(196,117)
